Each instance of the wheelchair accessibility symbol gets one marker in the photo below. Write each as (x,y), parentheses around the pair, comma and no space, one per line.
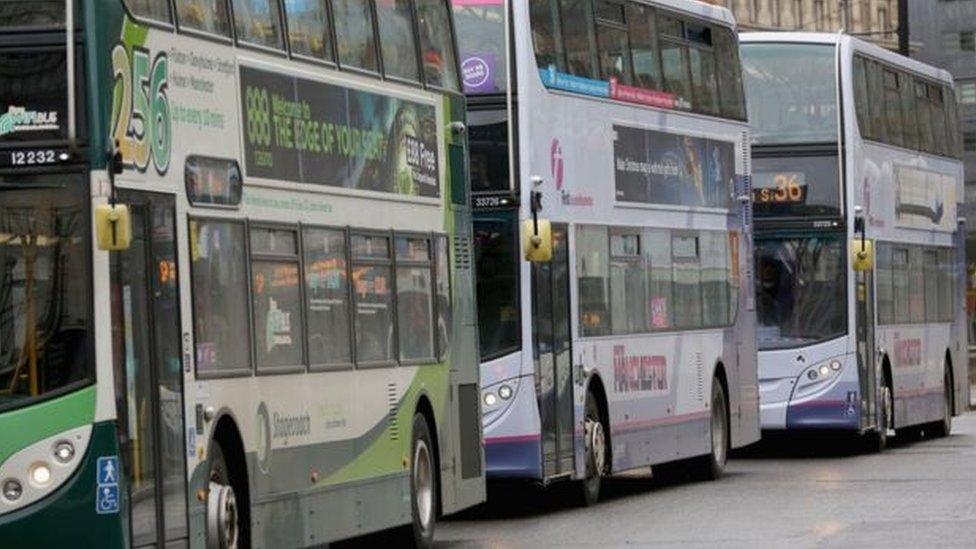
(108,499)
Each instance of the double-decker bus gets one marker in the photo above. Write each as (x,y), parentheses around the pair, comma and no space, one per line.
(236,291)
(618,128)
(857,185)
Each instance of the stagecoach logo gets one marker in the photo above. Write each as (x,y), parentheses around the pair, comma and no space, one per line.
(19,119)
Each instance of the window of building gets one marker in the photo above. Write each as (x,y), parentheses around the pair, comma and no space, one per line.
(966,93)
(969,141)
(327,296)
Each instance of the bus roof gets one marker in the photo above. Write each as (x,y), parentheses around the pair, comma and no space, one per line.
(850,42)
(696,8)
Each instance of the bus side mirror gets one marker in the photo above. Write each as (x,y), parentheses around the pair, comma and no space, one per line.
(113,227)
(862,254)
(537,240)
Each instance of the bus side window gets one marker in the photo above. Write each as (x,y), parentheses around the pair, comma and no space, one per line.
(612,44)
(643,46)
(327,296)
(276,299)
(308,28)
(150,9)
(729,74)
(884,292)
(204,15)
(674,57)
(877,106)
(397,39)
(437,44)
(892,102)
(952,124)
(372,289)
(701,60)
(924,108)
(415,299)
(544,15)
(354,34)
(593,272)
(445,306)
(930,264)
(685,252)
(906,85)
(864,121)
(576,24)
(938,118)
(257,22)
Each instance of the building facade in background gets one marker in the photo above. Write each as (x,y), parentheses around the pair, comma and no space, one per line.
(943,33)
(875,20)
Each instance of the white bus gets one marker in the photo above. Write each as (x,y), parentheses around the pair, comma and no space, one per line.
(623,129)
(854,142)
(284,354)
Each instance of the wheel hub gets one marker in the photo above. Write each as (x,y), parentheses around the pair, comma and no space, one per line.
(595,446)
(718,433)
(423,484)
(222,520)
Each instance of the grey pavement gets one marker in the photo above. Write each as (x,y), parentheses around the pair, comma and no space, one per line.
(808,492)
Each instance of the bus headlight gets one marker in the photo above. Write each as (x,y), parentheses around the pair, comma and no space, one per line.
(40,474)
(505,392)
(490,399)
(12,489)
(64,451)
(817,377)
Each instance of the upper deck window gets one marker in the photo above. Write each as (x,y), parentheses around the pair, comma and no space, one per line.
(791,92)
(398,42)
(437,44)
(150,9)
(354,32)
(481,38)
(32,14)
(257,22)
(204,15)
(308,28)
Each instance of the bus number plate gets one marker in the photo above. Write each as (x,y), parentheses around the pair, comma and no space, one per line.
(492,201)
(39,157)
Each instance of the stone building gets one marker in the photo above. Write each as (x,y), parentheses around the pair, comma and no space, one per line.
(875,20)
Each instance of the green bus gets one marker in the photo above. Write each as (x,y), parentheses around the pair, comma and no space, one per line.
(236,292)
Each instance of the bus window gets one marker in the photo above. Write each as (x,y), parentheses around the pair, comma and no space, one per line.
(445,307)
(729,74)
(861,96)
(437,44)
(326,296)
(397,39)
(930,266)
(34,13)
(354,34)
(481,38)
(643,46)
(150,9)
(916,286)
(801,290)
(577,39)
(883,290)
(276,298)
(892,101)
(877,108)
(658,270)
(938,118)
(715,278)
(704,86)
(612,46)
(906,85)
(256,22)
(926,138)
(792,92)
(497,264)
(219,284)
(593,272)
(488,142)
(686,255)
(308,28)
(415,318)
(204,15)
(372,288)
(628,299)
(899,284)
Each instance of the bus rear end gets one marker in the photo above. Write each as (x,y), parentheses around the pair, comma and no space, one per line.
(53,448)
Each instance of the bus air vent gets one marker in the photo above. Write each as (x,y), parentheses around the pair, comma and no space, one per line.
(462,251)
(393,402)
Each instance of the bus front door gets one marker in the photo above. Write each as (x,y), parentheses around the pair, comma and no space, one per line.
(149,372)
(552,353)
(869,372)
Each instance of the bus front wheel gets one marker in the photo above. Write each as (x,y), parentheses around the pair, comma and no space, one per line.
(595,444)
(423,484)
(223,517)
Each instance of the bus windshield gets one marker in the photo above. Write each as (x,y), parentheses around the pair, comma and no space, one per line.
(791,92)
(496,253)
(480,31)
(801,289)
(44,289)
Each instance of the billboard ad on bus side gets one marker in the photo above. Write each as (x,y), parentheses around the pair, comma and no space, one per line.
(653,167)
(308,131)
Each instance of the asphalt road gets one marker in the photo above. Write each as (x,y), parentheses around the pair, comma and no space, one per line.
(785,493)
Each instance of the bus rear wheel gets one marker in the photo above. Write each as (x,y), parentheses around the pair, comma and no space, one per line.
(223,515)
(424,488)
(712,465)
(943,428)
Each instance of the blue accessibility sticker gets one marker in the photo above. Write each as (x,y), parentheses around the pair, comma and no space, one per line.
(107,500)
(108,470)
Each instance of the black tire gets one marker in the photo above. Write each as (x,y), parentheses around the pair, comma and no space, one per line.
(233,525)
(943,428)
(877,441)
(595,453)
(712,465)
(424,486)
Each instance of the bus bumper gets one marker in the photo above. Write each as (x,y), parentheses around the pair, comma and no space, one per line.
(513,444)
(67,517)
(835,408)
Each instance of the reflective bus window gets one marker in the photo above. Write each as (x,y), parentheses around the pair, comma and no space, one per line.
(150,9)
(877,108)
(883,291)
(257,22)
(674,57)
(488,150)
(415,319)
(613,49)
(276,298)
(354,34)
(892,102)
(497,243)
(204,15)
(731,94)
(938,119)
(643,46)
(397,39)
(593,272)
(308,28)
(437,44)
(628,299)
(703,83)
(480,33)
(947,284)
(219,284)
(899,284)
(658,269)
(926,137)
(544,15)
(445,306)
(715,279)
(932,280)
(687,281)
(34,13)
(326,296)
(372,290)
(577,40)
(864,121)
(906,87)
(916,286)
